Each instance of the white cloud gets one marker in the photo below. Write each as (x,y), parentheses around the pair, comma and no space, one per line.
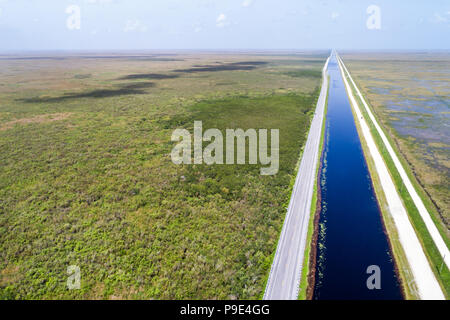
(198,27)
(221,17)
(441,17)
(135,25)
(247,3)
(335,16)
(438,18)
(221,21)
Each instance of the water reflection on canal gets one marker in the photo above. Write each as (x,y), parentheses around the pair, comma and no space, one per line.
(351,234)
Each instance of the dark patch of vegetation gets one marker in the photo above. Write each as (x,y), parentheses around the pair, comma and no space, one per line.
(138,85)
(101,93)
(235,66)
(150,76)
(126,89)
(216,68)
(158,59)
(225,83)
(249,63)
(310,73)
(82,76)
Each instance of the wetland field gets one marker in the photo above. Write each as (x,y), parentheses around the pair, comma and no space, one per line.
(86,177)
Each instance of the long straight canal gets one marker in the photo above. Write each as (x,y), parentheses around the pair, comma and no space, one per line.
(351,234)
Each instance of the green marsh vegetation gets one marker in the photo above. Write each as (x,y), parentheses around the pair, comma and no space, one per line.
(86,177)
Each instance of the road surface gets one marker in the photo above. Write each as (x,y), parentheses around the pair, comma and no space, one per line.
(285,274)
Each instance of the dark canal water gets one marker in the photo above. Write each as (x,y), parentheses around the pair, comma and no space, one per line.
(351,235)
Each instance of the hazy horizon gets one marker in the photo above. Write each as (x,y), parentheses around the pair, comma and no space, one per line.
(213,25)
(262,52)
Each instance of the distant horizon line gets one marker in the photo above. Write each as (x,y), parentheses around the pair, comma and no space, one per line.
(237,50)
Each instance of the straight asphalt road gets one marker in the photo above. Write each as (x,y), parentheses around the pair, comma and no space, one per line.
(285,274)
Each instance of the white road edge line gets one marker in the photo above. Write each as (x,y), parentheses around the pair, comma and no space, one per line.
(432,229)
(427,285)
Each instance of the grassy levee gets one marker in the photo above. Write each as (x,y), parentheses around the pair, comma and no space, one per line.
(315,202)
(439,268)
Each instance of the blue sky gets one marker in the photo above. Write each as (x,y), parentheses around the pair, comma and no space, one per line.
(224,24)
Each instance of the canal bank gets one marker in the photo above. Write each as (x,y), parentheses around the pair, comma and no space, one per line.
(351,238)
(412,245)
(285,276)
